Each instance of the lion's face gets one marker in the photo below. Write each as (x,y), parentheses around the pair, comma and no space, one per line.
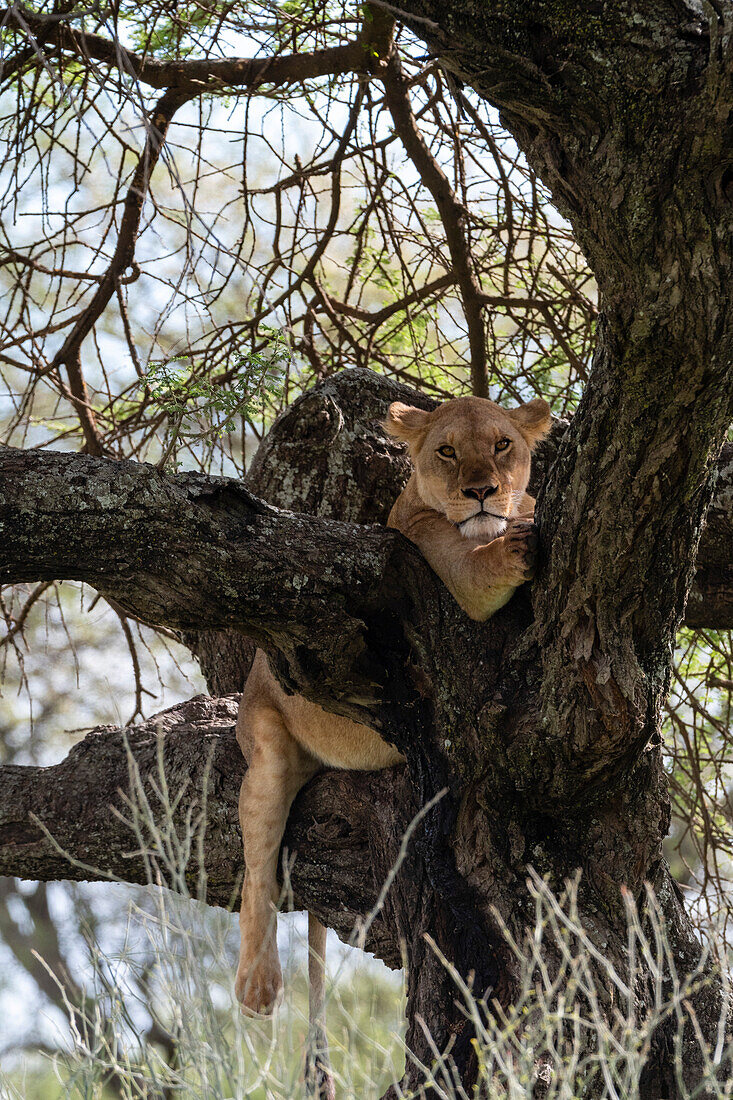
(471,458)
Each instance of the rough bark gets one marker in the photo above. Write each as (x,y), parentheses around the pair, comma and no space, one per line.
(625,113)
(605,100)
(397,628)
(326,456)
(125,523)
(316,592)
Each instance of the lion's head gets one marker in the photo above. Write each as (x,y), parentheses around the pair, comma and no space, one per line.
(471,458)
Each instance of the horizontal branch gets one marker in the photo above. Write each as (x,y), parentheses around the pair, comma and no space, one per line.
(194,75)
(126,528)
(352,614)
(99,815)
(330,439)
(326,455)
(195,552)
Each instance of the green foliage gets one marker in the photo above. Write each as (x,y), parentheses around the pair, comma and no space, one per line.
(173,34)
(200,407)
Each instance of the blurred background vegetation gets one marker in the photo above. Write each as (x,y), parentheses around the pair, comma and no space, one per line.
(166,289)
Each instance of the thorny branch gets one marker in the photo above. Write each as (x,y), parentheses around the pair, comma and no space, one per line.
(69,354)
(453,215)
(372,278)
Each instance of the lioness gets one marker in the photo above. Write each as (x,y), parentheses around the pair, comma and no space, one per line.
(467,509)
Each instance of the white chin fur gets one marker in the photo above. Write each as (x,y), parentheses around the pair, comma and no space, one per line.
(483,527)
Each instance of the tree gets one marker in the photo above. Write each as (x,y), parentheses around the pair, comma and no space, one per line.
(542,725)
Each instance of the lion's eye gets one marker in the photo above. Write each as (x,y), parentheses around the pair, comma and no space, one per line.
(446,451)
(502,444)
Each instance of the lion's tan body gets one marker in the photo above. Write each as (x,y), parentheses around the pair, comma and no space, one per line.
(470,515)
(334,741)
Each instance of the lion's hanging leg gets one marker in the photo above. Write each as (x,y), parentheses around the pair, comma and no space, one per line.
(318,1077)
(278,768)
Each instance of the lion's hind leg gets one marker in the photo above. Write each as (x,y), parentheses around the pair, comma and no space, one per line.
(318,1076)
(278,768)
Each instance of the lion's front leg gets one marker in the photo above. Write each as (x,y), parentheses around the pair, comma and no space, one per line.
(494,571)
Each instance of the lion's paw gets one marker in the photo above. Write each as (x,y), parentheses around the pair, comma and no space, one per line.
(259,987)
(520,545)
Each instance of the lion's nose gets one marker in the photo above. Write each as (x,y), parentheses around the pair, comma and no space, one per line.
(482,493)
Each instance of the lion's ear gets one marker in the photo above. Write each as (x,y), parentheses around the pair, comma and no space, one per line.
(533,420)
(407,423)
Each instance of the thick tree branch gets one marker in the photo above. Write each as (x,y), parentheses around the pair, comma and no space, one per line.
(710,600)
(549,745)
(474,740)
(97,816)
(345,633)
(191,551)
(326,456)
(581,86)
